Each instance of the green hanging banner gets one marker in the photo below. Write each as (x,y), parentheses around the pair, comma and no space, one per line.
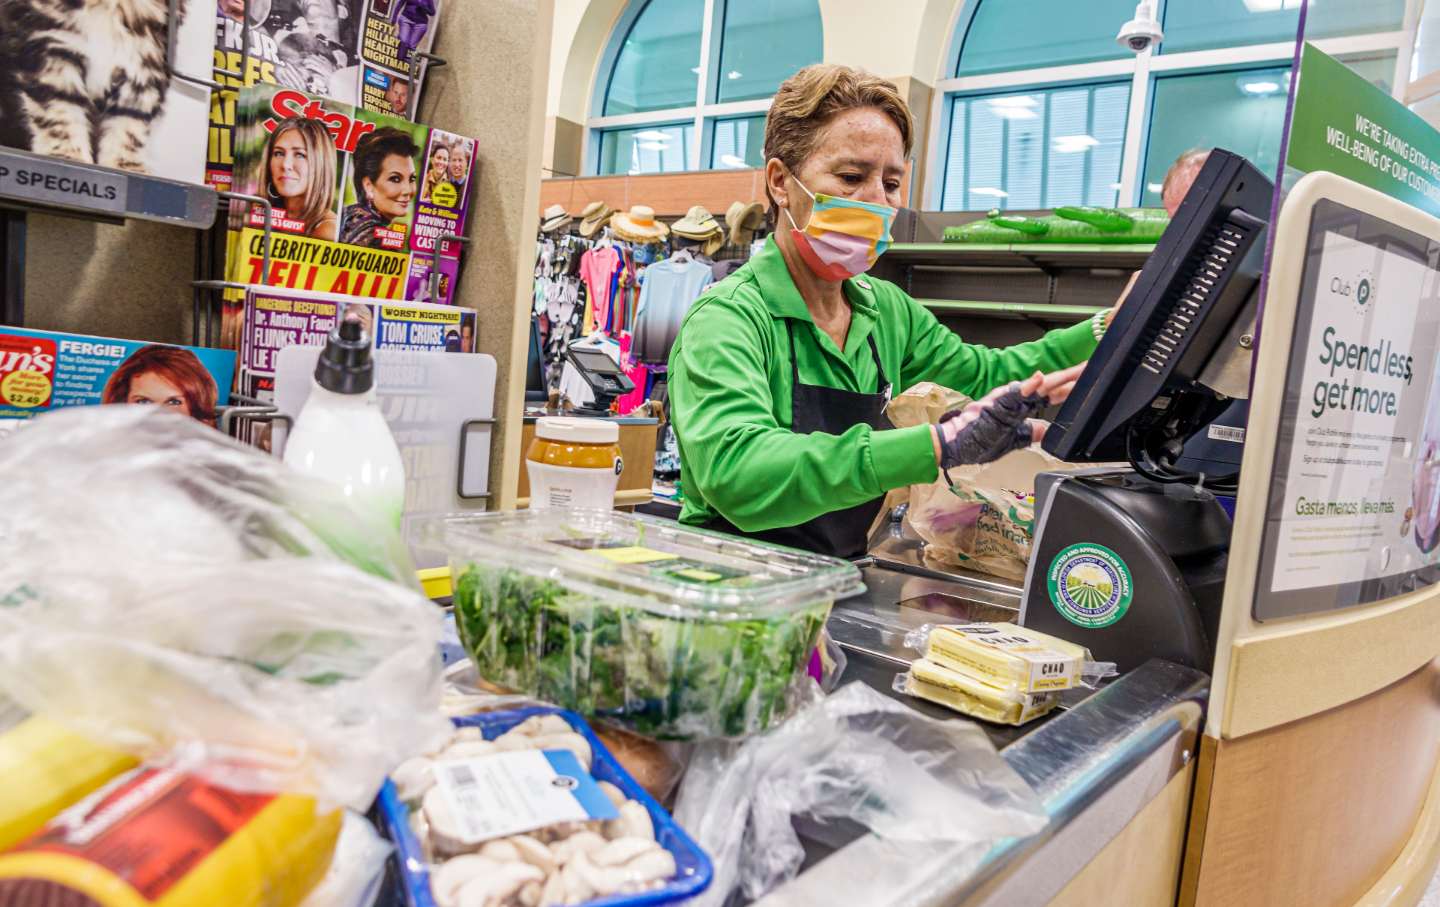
(1345,125)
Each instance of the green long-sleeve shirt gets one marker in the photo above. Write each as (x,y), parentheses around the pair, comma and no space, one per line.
(730,389)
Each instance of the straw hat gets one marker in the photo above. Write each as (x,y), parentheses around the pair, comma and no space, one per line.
(743,218)
(696,224)
(593,218)
(638,225)
(554,218)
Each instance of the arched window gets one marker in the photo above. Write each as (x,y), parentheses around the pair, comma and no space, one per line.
(1044,108)
(686,83)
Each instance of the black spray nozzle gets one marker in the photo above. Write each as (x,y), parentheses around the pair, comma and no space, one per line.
(345,365)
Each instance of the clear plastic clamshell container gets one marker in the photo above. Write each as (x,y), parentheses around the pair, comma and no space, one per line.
(672,632)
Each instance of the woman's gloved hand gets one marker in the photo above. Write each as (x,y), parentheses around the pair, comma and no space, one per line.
(1002,421)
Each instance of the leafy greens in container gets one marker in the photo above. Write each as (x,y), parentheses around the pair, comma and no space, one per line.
(672,632)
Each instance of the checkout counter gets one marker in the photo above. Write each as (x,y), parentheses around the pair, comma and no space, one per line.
(1274,734)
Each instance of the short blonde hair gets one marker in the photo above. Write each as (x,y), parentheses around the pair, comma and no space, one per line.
(806,101)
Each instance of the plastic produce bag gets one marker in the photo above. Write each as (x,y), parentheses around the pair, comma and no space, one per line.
(193,601)
(356,871)
(855,756)
(985,520)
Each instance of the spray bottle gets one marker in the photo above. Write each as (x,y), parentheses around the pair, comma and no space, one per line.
(341,436)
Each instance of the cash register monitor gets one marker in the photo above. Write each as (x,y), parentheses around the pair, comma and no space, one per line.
(1141,398)
(605,379)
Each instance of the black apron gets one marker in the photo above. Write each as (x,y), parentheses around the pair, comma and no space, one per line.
(840,533)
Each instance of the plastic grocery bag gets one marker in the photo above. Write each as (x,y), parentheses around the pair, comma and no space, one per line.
(192,600)
(983,517)
(859,756)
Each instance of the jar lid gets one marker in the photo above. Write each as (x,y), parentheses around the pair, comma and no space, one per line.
(577,431)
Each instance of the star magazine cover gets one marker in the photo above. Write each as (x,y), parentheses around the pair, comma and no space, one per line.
(365,53)
(361,201)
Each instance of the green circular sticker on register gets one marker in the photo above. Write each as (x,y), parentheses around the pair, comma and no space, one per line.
(1090,585)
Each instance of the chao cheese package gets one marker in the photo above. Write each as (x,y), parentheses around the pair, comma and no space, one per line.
(963,693)
(1005,656)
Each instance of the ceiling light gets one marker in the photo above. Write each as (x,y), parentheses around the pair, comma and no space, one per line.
(732,74)
(1154,187)
(988,190)
(652,146)
(653,135)
(1014,113)
(695,69)
(730,160)
(1018,100)
(1116,186)
(1073,144)
(1260,87)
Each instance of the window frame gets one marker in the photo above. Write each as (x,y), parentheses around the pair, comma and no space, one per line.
(704,112)
(1142,69)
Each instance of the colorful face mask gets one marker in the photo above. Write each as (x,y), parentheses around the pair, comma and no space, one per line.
(843,237)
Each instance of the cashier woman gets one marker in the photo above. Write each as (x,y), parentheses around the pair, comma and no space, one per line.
(780,374)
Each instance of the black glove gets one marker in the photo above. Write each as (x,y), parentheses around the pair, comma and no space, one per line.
(988,429)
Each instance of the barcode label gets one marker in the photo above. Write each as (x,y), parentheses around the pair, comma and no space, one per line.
(510,793)
(1227,433)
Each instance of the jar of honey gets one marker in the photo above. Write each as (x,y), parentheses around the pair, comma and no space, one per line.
(574,463)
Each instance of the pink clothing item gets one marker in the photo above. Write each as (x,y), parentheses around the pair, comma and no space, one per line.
(635,372)
(597,269)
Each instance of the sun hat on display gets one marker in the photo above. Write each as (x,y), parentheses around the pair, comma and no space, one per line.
(638,225)
(744,218)
(696,224)
(595,216)
(554,218)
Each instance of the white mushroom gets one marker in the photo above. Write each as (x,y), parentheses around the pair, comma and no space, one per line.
(553,894)
(542,725)
(529,894)
(501,850)
(467,733)
(616,795)
(445,829)
(446,882)
(572,742)
(602,881)
(535,853)
(634,822)
(622,851)
(510,742)
(654,865)
(413,778)
(492,890)
(577,889)
(467,749)
(580,842)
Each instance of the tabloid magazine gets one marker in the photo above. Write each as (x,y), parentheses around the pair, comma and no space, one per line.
(359,52)
(83,83)
(276,319)
(360,201)
(45,370)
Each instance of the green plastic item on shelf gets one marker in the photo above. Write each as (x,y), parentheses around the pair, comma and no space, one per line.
(1070,224)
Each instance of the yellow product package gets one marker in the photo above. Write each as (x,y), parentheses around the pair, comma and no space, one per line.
(963,693)
(46,768)
(1007,656)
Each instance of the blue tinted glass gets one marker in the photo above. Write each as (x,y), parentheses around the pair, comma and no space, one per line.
(1206,24)
(659,63)
(1036,149)
(738,143)
(1242,111)
(763,43)
(1024,34)
(646,149)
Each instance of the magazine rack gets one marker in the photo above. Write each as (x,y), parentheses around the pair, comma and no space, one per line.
(118,271)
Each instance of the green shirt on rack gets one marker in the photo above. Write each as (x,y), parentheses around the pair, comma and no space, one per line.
(730,392)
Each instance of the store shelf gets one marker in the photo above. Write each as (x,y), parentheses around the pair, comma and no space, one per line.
(1039,310)
(35,182)
(1045,256)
